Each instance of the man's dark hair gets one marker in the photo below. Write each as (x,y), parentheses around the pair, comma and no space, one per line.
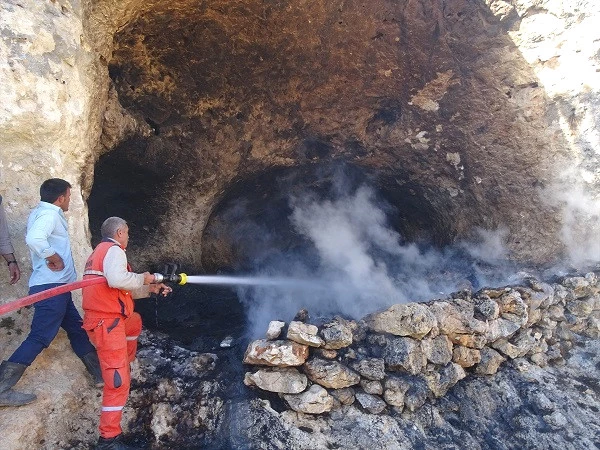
(53,188)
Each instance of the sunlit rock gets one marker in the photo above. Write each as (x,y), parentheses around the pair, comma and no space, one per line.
(284,380)
(274,330)
(315,400)
(330,374)
(275,353)
(304,334)
(501,328)
(410,319)
(455,318)
(465,357)
(468,340)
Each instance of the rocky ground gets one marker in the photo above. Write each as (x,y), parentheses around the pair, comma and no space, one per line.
(187,400)
(190,393)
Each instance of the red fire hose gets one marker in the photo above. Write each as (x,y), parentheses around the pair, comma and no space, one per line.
(34,298)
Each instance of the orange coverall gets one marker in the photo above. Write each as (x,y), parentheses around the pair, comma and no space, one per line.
(113,327)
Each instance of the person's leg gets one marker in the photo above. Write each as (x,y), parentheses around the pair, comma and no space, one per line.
(72,323)
(47,318)
(111,344)
(133,328)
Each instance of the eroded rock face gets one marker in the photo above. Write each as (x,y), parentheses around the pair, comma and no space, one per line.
(461,110)
(446,105)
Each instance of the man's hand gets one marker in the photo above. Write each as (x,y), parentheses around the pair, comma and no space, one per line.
(55,263)
(15,273)
(148,278)
(160,289)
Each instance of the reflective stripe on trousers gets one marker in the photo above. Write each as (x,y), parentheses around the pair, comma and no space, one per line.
(116,344)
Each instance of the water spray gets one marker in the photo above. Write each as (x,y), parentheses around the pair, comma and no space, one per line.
(169,276)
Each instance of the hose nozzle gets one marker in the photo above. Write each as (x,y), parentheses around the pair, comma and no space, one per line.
(179,278)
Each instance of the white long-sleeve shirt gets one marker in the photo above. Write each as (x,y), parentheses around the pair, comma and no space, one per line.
(117,275)
(47,234)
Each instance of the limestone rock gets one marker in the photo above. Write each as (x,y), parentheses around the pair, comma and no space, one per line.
(330,374)
(438,350)
(284,380)
(275,353)
(395,390)
(455,318)
(490,361)
(465,357)
(315,400)
(345,396)
(410,319)
(337,334)
(304,334)
(274,330)
(448,376)
(371,403)
(370,368)
(404,353)
(372,387)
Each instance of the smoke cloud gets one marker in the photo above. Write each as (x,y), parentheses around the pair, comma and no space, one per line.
(358,264)
(579,208)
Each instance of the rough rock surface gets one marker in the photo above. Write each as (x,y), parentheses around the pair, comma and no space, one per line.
(465,107)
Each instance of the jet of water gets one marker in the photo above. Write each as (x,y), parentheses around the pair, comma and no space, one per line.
(224,280)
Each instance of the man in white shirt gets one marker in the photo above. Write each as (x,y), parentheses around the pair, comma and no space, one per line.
(48,241)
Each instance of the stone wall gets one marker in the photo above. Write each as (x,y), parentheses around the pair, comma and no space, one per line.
(397,358)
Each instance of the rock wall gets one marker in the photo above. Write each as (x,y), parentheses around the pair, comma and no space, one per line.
(397,358)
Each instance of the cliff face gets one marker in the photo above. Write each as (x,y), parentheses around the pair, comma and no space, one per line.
(463,114)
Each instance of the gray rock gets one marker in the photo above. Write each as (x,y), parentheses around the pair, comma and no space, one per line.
(330,374)
(404,353)
(370,368)
(371,403)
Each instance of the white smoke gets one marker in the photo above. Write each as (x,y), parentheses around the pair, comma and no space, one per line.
(579,208)
(362,265)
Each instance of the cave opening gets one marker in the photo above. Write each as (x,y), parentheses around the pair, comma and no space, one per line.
(233,115)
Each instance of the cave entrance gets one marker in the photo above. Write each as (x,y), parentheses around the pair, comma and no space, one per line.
(251,225)
(199,317)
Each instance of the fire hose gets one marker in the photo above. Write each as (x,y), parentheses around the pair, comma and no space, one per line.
(180,279)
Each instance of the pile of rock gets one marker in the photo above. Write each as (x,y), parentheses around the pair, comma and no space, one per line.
(399,357)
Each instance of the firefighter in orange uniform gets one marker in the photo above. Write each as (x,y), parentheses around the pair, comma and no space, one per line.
(111,323)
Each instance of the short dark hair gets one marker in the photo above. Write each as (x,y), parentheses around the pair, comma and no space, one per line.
(53,188)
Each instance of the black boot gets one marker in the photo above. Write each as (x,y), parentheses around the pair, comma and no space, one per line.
(10,373)
(115,443)
(92,364)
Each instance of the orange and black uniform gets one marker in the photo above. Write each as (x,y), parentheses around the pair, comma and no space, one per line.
(113,327)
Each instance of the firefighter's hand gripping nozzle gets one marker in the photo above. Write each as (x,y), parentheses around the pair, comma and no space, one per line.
(179,278)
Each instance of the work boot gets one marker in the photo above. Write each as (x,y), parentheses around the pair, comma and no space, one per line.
(10,373)
(115,443)
(92,364)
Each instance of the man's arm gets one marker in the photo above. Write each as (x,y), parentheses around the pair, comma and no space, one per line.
(116,273)
(37,240)
(6,248)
